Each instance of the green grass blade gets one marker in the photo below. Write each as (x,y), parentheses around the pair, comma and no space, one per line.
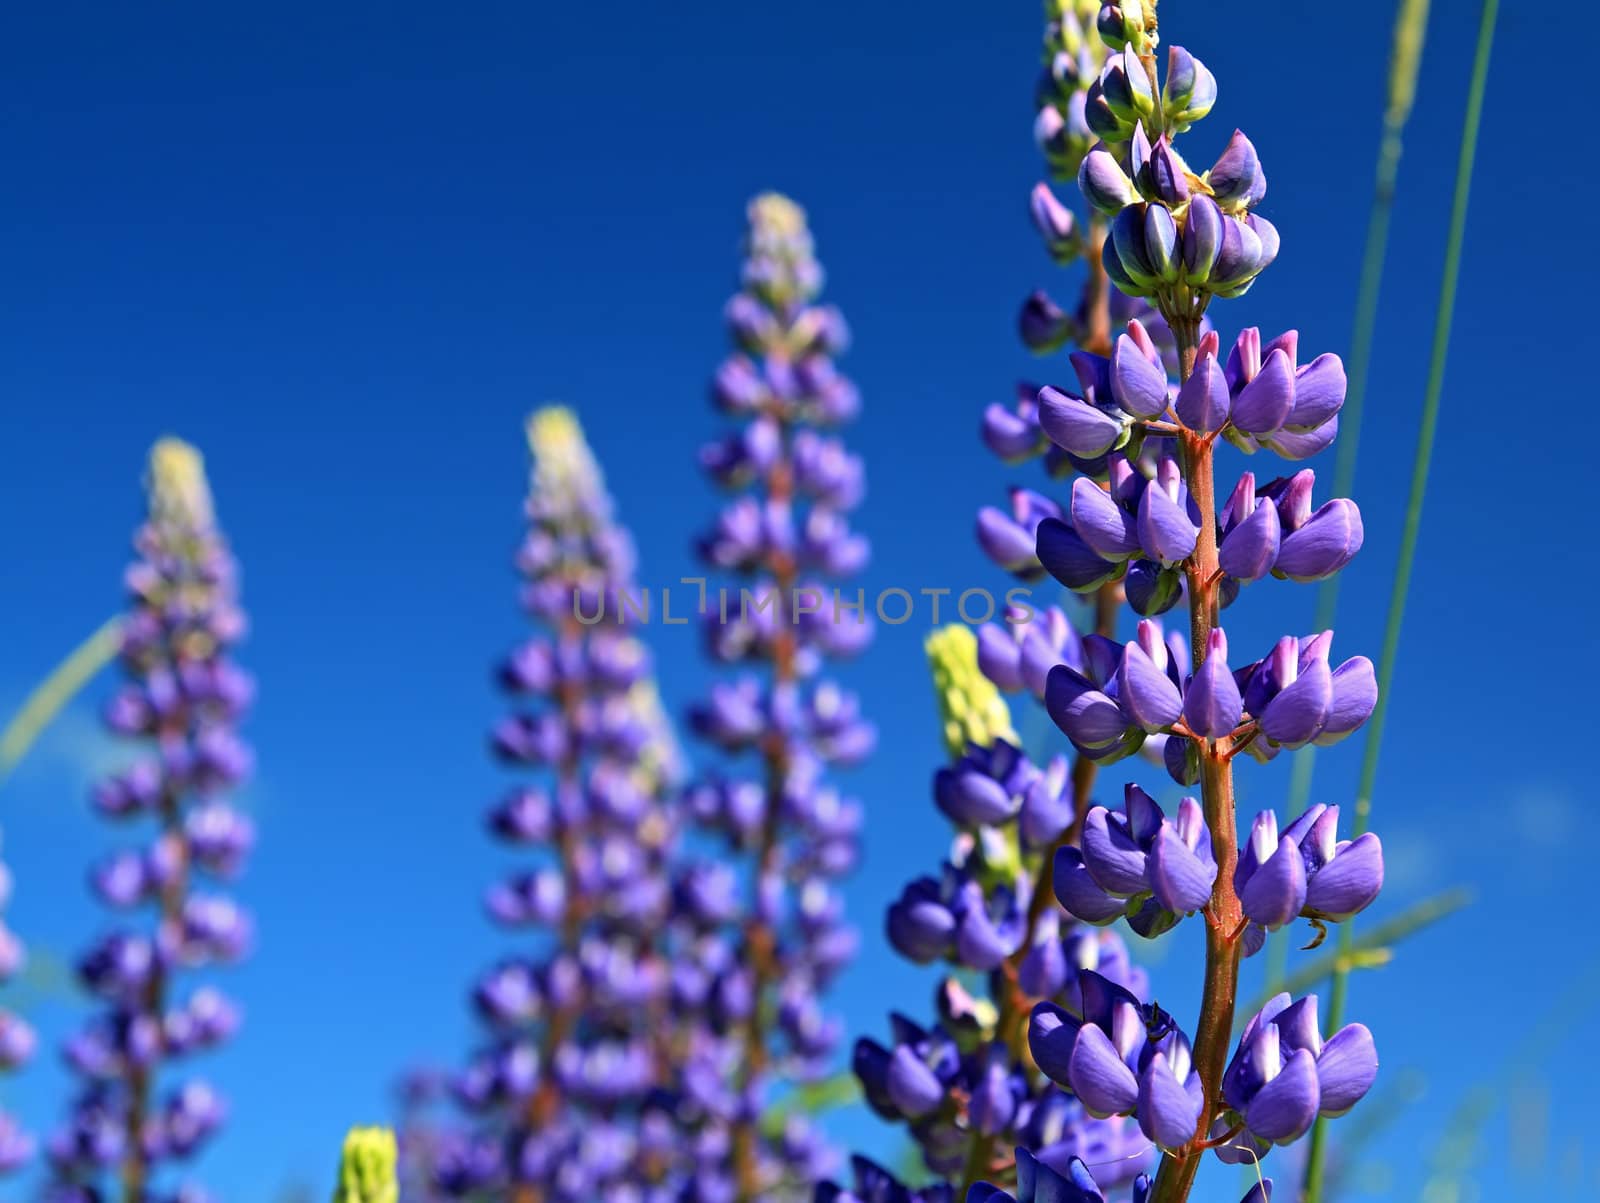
(1408,541)
(52,694)
(1405,60)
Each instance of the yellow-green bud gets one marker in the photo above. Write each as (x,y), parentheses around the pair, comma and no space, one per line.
(971,709)
(367,1168)
(176,484)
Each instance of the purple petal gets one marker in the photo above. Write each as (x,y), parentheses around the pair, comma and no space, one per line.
(1324,544)
(1284,1109)
(1115,860)
(1319,390)
(1277,890)
(1249,550)
(1355,693)
(1211,704)
(1075,425)
(1051,1035)
(999,657)
(1004,541)
(1076,890)
(1179,879)
(1298,714)
(912,1085)
(1348,883)
(1346,1069)
(1165,531)
(1069,559)
(1145,694)
(1084,714)
(1098,1076)
(1100,522)
(1167,1112)
(1265,403)
(1138,385)
(1202,403)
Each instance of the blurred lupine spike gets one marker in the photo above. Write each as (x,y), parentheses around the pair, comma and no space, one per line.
(367,1167)
(17,1040)
(971,710)
(572,1066)
(764,928)
(181,701)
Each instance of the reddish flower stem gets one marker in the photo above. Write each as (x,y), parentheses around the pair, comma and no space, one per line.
(1214,1030)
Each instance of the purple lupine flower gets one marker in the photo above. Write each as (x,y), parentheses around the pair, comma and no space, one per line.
(756,950)
(182,700)
(1138,863)
(568,1070)
(1283,1075)
(1181,238)
(1307,871)
(1289,699)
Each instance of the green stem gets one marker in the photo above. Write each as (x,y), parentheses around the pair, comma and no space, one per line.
(1410,25)
(1408,542)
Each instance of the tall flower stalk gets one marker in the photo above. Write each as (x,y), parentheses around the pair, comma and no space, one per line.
(1180,239)
(181,704)
(563,1083)
(757,969)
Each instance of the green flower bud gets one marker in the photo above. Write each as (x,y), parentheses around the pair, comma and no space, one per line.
(971,709)
(1189,92)
(367,1168)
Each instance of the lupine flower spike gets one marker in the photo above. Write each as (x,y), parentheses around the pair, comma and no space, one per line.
(1097,1075)
(180,704)
(755,969)
(565,1091)
(1181,238)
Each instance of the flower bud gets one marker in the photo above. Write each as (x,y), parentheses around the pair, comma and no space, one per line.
(1249,551)
(1043,324)
(1103,182)
(1161,243)
(1102,121)
(1237,174)
(1202,239)
(1189,92)
(1163,178)
(1121,24)
(1127,240)
(1125,89)
(1152,589)
(1238,260)
(1056,223)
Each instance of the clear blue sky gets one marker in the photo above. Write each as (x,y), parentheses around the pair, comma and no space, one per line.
(344,248)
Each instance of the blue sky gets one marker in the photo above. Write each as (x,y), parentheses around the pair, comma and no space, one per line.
(345,248)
